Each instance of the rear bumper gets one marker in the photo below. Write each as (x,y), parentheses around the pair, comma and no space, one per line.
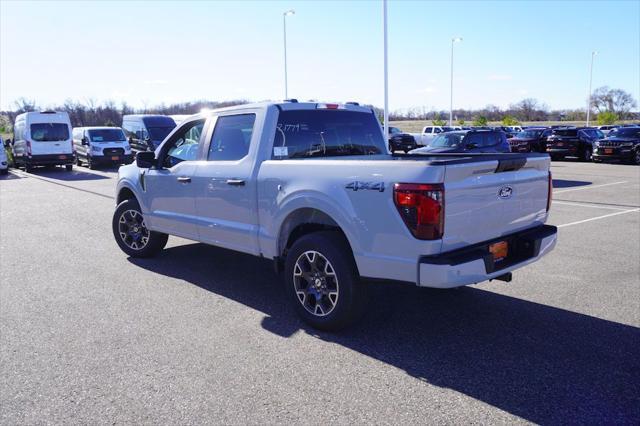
(475,264)
(47,160)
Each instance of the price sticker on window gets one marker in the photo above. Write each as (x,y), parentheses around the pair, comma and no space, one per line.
(280,151)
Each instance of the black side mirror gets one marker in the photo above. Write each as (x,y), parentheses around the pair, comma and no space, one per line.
(145,159)
(472,145)
(85,141)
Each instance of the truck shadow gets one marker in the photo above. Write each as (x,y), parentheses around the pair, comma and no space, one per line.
(543,364)
(563,183)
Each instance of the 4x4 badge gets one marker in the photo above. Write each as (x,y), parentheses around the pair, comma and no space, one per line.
(367,186)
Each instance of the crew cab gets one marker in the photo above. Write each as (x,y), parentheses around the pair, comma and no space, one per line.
(429,133)
(312,187)
(572,142)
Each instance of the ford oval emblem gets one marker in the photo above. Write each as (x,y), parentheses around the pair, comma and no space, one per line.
(505,192)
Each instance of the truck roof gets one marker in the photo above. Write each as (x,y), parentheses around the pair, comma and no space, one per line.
(292,105)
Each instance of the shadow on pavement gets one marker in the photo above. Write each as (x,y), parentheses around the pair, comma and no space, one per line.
(59,173)
(544,364)
(563,183)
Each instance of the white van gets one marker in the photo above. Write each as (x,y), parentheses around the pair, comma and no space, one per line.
(43,139)
(4,162)
(101,145)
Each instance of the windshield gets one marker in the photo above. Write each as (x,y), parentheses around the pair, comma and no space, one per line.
(325,133)
(447,140)
(529,134)
(625,133)
(159,133)
(49,132)
(106,135)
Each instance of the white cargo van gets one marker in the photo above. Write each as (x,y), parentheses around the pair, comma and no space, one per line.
(43,139)
(101,145)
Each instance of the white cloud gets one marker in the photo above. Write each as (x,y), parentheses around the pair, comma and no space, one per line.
(428,89)
(156,81)
(499,77)
(523,92)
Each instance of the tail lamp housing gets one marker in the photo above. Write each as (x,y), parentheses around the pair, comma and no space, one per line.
(421,207)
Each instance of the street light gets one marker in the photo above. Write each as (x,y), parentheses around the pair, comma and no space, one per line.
(593,55)
(386,75)
(453,40)
(284,24)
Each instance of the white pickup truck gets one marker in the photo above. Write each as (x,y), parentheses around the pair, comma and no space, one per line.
(430,132)
(313,188)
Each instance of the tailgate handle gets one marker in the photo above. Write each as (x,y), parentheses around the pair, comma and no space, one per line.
(510,165)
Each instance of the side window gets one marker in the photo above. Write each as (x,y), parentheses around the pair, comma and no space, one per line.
(437,130)
(184,144)
(127,126)
(473,138)
(76,134)
(231,137)
(428,130)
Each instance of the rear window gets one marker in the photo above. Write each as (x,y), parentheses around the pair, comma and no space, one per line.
(49,132)
(106,135)
(625,133)
(566,132)
(327,133)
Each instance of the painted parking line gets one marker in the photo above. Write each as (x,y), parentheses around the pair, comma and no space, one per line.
(598,218)
(589,205)
(589,187)
(22,174)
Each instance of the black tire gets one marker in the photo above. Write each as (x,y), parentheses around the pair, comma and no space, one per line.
(90,164)
(350,292)
(28,167)
(391,148)
(155,240)
(78,161)
(557,157)
(636,157)
(586,155)
(4,171)
(68,167)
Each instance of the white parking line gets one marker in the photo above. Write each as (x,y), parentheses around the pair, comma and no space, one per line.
(598,217)
(566,203)
(589,187)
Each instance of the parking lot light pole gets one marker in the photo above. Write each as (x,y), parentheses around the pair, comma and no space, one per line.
(593,55)
(284,24)
(453,40)
(386,77)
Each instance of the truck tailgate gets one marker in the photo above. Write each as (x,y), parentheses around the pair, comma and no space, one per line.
(486,200)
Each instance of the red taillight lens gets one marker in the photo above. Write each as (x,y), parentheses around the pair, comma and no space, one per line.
(550,192)
(421,207)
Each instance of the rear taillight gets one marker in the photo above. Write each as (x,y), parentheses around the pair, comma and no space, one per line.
(28,147)
(550,192)
(421,207)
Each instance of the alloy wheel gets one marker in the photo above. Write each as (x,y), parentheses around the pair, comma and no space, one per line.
(315,283)
(133,230)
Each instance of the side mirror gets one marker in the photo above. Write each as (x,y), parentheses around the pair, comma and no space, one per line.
(472,145)
(8,143)
(130,140)
(145,159)
(85,141)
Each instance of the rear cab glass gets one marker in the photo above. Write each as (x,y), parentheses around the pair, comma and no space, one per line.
(327,133)
(49,132)
(573,133)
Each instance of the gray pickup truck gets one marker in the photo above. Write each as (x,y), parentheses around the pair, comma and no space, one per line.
(313,187)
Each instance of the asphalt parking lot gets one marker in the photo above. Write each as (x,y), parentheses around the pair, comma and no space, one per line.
(201,334)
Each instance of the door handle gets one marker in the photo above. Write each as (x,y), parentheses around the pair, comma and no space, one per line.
(235,182)
(184,179)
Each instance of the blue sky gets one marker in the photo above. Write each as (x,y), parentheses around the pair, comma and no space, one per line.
(154,52)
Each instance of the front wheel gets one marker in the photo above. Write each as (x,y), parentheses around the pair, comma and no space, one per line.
(636,157)
(131,232)
(586,155)
(322,281)
(69,167)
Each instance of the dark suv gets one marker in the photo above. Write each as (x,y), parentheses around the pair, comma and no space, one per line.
(467,141)
(572,142)
(530,140)
(621,144)
(400,141)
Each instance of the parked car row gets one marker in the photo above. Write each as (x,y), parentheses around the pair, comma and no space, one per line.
(47,139)
(620,143)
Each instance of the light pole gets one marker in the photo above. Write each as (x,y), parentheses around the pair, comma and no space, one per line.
(386,84)
(284,24)
(453,40)
(593,55)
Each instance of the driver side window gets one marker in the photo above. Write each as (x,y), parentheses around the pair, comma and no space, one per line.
(184,144)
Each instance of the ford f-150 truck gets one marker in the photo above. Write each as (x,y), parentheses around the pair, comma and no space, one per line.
(312,187)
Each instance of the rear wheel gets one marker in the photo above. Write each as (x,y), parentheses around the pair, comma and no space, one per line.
(68,167)
(322,281)
(78,161)
(131,232)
